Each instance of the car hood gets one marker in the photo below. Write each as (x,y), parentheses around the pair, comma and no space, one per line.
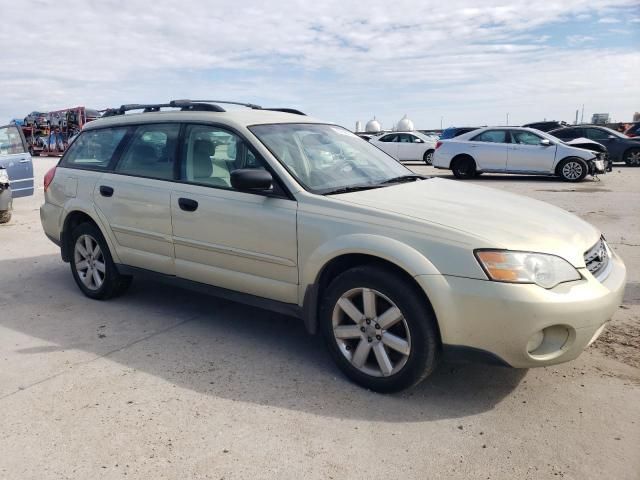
(495,218)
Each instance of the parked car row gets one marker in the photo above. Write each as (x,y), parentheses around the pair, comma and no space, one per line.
(407,146)
(278,210)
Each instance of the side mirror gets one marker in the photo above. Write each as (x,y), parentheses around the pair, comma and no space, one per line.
(251,179)
(418,140)
(545,142)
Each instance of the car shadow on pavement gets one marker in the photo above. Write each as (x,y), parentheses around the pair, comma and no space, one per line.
(218,348)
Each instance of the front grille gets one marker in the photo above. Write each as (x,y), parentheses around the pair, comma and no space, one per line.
(597,259)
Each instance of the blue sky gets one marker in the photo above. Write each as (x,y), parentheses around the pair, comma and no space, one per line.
(464,63)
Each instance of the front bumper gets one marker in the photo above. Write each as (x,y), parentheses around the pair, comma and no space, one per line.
(503,319)
(6,198)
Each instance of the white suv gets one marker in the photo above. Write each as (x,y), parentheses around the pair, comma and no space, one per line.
(279,210)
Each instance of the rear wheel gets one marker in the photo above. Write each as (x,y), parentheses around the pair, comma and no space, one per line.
(428,157)
(92,266)
(5,216)
(572,169)
(463,167)
(632,157)
(378,330)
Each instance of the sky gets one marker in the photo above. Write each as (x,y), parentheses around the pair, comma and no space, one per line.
(460,62)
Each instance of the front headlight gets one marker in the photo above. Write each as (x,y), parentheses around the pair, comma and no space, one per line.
(4,176)
(542,269)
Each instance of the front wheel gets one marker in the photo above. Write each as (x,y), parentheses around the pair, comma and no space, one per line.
(428,157)
(379,330)
(572,169)
(5,216)
(632,157)
(92,266)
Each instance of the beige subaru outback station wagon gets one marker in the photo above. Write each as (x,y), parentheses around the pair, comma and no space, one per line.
(272,208)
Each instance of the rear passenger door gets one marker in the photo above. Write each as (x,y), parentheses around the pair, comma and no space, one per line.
(15,158)
(490,150)
(135,198)
(236,240)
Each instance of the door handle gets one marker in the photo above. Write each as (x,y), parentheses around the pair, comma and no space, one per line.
(106,191)
(24,160)
(187,204)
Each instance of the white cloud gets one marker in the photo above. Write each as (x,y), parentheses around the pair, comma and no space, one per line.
(579,39)
(608,20)
(339,60)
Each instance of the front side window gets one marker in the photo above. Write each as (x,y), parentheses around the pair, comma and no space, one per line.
(210,154)
(596,134)
(491,136)
(151,152)
(10,141)
(94,148)
(522,137)
(327,158)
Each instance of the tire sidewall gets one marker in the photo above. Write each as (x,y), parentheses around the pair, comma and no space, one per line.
(470,173)
(428,157)
(111,274)
(585,169)
(425,344)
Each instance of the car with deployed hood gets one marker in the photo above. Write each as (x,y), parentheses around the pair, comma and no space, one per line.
(302,217)
(620,147)
(515,150)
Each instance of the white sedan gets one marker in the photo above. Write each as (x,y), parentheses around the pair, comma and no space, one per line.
(406,146)
(515,150)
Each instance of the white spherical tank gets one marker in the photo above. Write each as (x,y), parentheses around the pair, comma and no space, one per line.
(404,125)
(373,126)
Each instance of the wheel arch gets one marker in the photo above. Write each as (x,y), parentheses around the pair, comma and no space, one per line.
(460,156)
(359,250)
(72,219)
(569,157)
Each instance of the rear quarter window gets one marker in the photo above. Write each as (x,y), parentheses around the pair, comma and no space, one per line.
(94,149)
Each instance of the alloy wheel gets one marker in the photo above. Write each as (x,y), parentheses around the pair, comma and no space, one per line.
(572,170)
(371,332)
(89,262)
(633,158)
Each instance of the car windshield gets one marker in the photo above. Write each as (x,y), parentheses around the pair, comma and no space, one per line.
(329,159)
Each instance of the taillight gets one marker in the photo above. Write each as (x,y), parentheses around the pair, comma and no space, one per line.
(630,134)
(438,144)
(48,178)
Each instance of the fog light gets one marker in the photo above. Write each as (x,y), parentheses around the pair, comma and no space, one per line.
(535,341)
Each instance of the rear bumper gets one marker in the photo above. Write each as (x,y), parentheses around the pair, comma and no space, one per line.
(503,320)
(50,220)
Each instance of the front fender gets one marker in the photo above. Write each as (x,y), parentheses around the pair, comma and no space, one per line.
(389,249)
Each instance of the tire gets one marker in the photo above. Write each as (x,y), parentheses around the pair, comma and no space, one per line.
(366,357)
(632,157)
(572,169)
(108,283)
(428,157)
(463,168)
(5,216)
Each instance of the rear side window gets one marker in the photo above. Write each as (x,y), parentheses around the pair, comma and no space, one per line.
(94,148)
(151,152)
(10,141)
(491,136)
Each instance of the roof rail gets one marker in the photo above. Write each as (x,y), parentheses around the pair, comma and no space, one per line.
(190,106)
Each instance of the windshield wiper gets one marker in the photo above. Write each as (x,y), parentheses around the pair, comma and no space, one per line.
(352,188)
(403,178)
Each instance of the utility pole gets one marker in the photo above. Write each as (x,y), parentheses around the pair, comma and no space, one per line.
(507,118)
(441,118)
(582,116)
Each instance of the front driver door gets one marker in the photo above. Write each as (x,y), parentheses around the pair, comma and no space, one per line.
(527,154)
(389,144)
(246,242)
